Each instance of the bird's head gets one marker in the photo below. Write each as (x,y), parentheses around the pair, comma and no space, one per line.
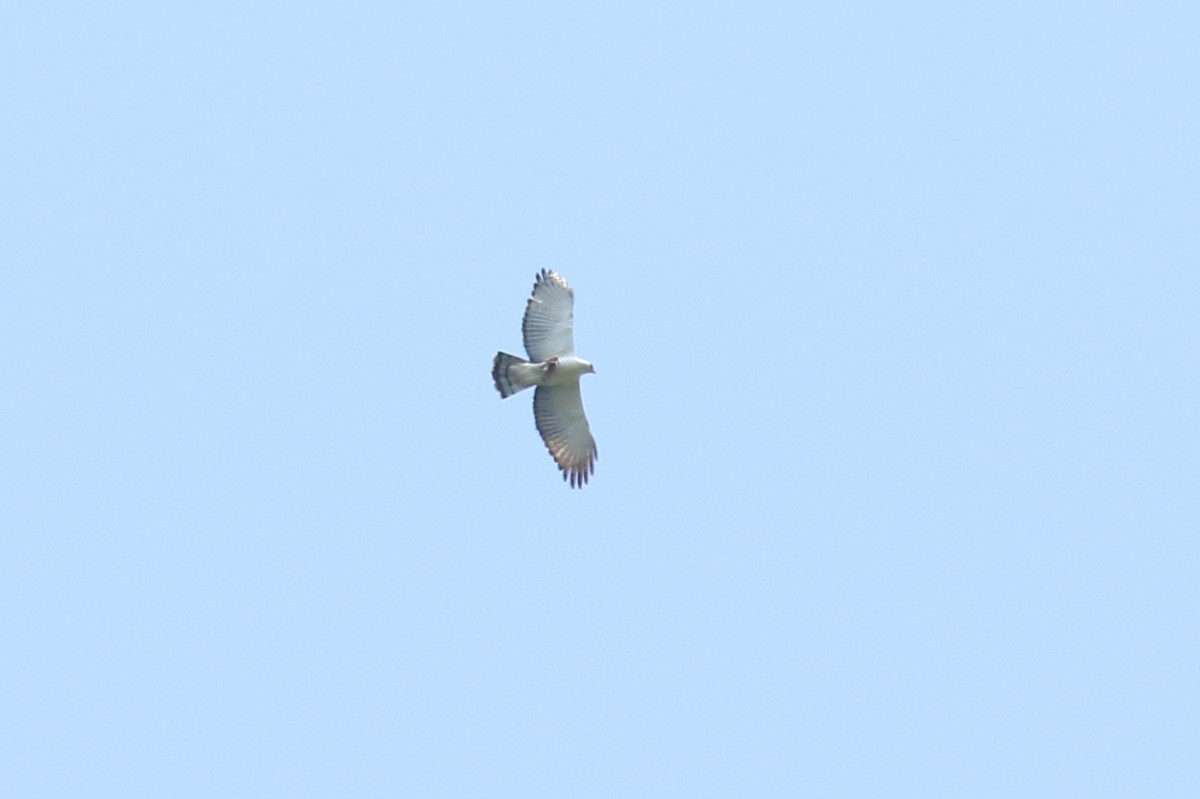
(591,368)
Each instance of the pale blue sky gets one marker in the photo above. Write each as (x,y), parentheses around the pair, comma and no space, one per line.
(894,308)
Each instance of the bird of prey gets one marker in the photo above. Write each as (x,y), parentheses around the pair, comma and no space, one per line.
(554,368)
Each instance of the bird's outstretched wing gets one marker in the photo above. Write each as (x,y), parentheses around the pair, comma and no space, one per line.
(549,316)
(558,411)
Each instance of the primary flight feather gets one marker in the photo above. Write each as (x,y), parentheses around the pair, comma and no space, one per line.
(555,370)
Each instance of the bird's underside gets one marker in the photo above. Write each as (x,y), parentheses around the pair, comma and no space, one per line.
(554,370)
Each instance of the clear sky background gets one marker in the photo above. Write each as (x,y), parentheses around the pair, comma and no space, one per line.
(894,308)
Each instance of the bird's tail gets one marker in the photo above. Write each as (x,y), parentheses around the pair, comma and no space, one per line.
(507,384)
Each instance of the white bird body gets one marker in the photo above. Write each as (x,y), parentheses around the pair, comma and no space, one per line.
(551,372)
(555,370)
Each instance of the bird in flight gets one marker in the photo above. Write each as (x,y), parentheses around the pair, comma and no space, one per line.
(554,368)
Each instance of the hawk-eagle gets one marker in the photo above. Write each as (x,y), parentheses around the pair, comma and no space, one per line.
(555,370)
